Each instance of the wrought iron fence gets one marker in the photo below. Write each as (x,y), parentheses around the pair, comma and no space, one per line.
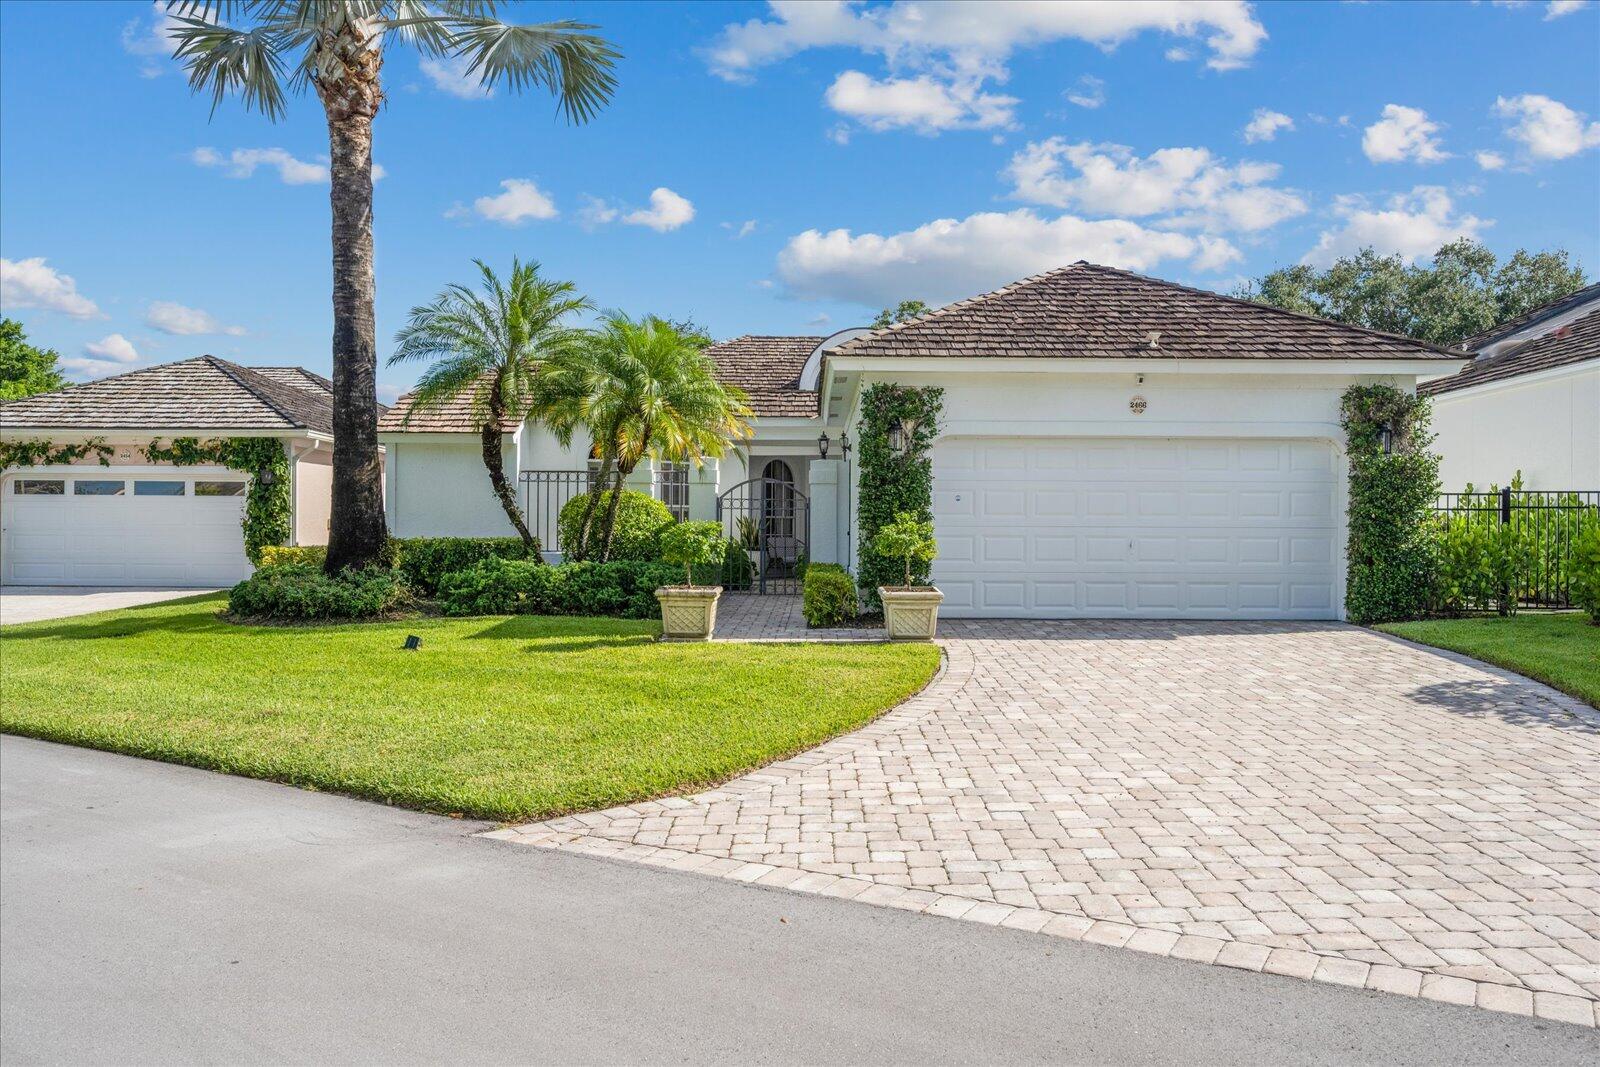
(672,488)
(544,494)
(1509,546)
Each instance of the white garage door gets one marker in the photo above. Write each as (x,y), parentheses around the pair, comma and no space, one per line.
(108,527)
(1158,528)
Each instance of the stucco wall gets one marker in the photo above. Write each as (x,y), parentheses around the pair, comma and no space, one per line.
(1545,425)
(437,487)
(313,497)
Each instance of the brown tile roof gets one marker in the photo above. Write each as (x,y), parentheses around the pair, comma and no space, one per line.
(298,377)
(204,393)
(453,416)
(768,370)
(1528,318)
(1086,311)
(1573,343)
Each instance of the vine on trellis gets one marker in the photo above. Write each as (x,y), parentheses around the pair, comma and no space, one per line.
(890,483)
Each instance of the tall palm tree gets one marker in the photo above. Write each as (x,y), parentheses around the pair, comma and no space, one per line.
(260,49)
(642,388)
(489,348)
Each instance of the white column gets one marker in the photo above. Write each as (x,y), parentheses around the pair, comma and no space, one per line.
(827,507)
(703,491)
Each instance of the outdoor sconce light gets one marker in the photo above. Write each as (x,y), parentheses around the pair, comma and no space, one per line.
(1386,436)
(266,476)
(897,438)
(822,444)
(844,446)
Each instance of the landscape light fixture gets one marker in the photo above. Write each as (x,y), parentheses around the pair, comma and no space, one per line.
(413,642)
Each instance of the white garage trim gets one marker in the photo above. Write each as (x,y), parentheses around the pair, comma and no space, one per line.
(1064,527)
(123,526)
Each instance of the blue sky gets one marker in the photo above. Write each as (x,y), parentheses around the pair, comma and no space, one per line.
(789,169)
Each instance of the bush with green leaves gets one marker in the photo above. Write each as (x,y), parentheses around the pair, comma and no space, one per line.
(692,544)
(828,596)
(424,561)
(310,555)
(1586,569)
(641,518)
(1391,558)
(299,591)
(909,541)
(624,588)
(890,483)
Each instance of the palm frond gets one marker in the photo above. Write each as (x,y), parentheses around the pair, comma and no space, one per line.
(221,59)
(574,65)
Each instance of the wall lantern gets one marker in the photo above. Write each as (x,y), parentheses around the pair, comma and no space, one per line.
(897,438)
(266,476)
(844,446)
(822,444)
(1386,438)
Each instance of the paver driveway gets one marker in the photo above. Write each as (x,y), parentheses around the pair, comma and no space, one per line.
(1306,799)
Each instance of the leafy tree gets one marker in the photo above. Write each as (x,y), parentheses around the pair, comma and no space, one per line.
(641,388)
(259,49)
(1462,292)
(905,311)
(488,348)
(25,369)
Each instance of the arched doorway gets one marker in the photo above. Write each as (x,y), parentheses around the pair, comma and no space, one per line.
(769,519)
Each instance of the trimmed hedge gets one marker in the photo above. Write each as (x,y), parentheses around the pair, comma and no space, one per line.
(308,555)
(640,520)
(424,561)
(623,588)
(1586,571)
(828,595)
(301,591)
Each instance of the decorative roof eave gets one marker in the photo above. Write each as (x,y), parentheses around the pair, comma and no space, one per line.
(1430,366)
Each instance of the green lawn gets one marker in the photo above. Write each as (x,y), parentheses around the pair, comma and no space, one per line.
(1562,650)
(497,718)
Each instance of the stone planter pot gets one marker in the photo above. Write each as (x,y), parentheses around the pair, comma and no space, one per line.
(688,613)
(911,614)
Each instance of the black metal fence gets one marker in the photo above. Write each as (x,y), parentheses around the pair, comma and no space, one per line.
(1506,547)
(544,494)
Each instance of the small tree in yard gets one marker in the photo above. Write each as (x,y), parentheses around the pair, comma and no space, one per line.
(907,538)
(690,545)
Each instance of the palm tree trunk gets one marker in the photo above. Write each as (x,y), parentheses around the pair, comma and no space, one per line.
(597,485)
(356,530)
(494,459)
(610,525)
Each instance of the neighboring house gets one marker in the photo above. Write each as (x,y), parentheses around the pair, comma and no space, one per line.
(1529,401)
(142,523)
(1111,446)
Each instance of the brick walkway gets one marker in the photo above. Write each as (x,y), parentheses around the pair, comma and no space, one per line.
(751,617)
(1306,799)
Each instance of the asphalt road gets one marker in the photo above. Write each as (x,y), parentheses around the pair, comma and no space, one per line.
(151,913)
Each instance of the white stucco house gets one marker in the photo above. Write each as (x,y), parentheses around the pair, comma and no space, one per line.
(1111,446)
(1529,401)
(134,522)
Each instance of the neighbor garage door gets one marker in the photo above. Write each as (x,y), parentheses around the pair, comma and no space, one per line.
(105,527)
(1158,528)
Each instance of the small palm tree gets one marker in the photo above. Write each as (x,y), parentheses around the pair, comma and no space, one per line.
(641,388)
(489,348)
(261,48)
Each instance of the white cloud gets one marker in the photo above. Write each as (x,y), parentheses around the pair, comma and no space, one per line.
(1403,133)
(1411,225)
(947,259)
(978,35)
(740,230)
(1188,186)
(1488,160)
(31,283)
(243,162)
(667,211)
(924,103)
(174,318)
(1090,92)
(596,212)
(449,75)
(114,347)
(1264,125)
(1556,8)
(150,38)
(1547,129)
(519,201)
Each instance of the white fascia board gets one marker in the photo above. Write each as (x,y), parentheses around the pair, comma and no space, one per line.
(1431,368)
(144,434)
(1548,374)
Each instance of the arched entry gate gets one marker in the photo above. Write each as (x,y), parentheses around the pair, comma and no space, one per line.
(771,521)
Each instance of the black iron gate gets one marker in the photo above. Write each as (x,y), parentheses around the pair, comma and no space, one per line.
(771,521)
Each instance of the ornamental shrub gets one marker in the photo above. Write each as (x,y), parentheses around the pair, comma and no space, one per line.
(828,595)
(907,540)
(310,555)
(1586,569)
(890,484)
(692,544)
(1391,559)
(299,591)
(640,520)
(424,561)
(624,588)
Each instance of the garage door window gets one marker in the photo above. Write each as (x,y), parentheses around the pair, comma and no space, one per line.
(40,487)
(219,489)
(157,488)
(86,487)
